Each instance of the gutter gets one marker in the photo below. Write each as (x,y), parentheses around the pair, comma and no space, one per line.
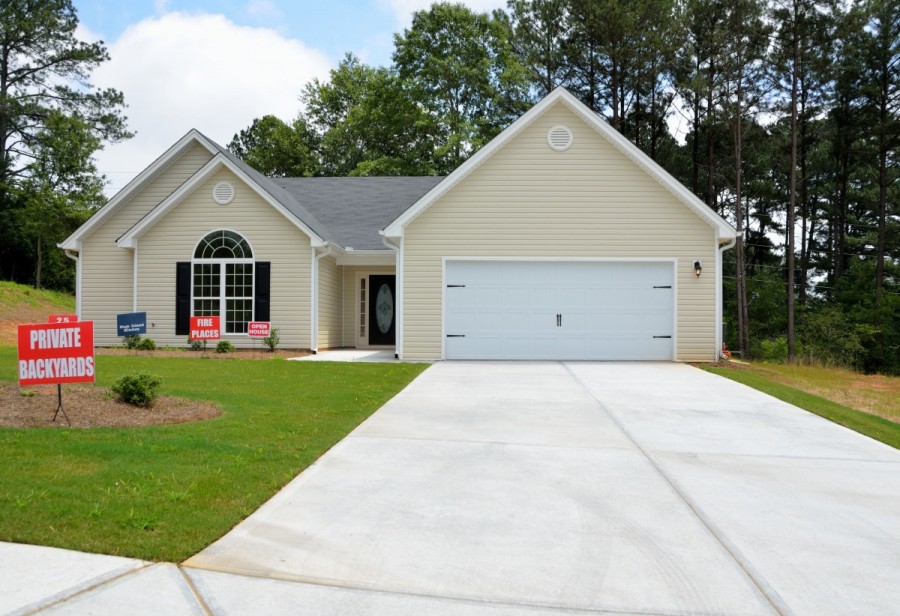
(398,282)
(314,311)
(719,322)
(76,257)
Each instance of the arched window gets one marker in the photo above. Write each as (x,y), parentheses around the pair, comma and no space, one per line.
(223,280)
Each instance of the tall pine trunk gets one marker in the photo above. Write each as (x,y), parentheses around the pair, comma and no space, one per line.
(789,226)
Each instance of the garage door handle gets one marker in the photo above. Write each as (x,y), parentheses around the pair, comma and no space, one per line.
(456,335)
(559,320)
(662,336)
(456,286)
(662,286)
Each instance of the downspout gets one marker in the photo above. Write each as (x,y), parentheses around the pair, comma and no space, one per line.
(398,301)
(75,257)
(314,312)
(719,299)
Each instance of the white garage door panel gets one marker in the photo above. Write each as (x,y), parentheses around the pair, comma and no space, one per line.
(607,310)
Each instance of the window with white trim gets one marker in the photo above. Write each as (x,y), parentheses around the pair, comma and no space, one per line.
(223,280)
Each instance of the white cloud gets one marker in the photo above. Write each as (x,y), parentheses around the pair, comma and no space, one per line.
(180,71)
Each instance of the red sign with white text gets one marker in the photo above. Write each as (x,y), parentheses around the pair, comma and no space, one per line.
(205,328)
(56,353)
(259,329)
(62,318)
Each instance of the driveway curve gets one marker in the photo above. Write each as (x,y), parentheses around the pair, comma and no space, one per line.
(550,488)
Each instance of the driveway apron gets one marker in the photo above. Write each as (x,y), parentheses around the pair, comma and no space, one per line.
(542,488)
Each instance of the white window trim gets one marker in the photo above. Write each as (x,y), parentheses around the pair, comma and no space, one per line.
(223,298)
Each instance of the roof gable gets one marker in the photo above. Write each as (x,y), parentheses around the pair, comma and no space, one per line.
(138,183)
(723,230)
(219,161)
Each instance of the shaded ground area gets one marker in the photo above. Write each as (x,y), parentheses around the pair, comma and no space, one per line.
(90,406)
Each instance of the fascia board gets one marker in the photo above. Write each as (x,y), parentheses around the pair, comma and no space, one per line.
(217,162)
(137,183)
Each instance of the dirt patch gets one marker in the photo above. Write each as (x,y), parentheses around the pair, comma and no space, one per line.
(90,406)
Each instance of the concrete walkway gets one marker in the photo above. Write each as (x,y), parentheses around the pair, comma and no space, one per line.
(540,489)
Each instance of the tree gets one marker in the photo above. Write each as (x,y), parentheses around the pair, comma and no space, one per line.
(369,123)
(881,91)
(743,68)
(459,66)
(539,30)
(277,149)
(61,187)
(44,77)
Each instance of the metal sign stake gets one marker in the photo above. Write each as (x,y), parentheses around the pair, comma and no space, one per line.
(59,406)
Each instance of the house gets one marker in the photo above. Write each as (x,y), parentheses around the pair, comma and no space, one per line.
(557,240)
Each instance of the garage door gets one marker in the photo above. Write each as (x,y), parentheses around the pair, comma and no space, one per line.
(559,310)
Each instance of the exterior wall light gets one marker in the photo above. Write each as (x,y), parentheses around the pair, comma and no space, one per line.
(697,268)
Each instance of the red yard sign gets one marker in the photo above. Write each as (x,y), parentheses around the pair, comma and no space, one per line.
(62,318)
(259,329)
(205,328)
(56,353)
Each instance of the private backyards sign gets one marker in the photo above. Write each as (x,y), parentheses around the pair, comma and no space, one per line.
(54,353)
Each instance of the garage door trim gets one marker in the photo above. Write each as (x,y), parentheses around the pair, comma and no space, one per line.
(673,261)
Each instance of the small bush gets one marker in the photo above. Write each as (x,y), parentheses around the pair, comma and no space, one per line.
(224,346)
(146,344)
(131,342)
(272,339)
(139,389)
(196,345)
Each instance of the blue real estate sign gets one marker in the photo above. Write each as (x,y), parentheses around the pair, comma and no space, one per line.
(131,323)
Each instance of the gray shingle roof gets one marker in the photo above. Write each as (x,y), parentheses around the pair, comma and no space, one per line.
(354,209)
(347,211)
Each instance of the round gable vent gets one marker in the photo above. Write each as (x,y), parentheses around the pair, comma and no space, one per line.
(560,138)
(223,193)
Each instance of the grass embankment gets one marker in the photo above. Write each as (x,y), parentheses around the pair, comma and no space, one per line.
(864,403)
(166,492)
(23,304)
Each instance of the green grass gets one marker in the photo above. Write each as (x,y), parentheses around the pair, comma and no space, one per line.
(166,492)
(872,426)
(15,295)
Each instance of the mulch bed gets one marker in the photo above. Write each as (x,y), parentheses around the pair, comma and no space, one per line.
(90,406)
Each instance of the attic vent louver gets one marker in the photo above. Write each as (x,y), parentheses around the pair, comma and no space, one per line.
(223,193)
(559,138)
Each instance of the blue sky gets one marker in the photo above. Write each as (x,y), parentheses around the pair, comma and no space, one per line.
(217,65)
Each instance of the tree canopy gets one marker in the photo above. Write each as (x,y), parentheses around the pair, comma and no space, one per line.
(52,120)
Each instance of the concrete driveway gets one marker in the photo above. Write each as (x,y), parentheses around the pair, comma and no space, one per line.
(539,489)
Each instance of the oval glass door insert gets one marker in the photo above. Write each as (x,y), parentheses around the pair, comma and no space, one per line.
(384,308)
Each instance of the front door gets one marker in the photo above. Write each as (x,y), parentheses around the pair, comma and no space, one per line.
(382,302)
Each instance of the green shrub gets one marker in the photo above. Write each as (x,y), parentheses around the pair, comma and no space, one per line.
(139,389)
(772,350)
(224,346)
(146,344)
(272,339)
(131,342)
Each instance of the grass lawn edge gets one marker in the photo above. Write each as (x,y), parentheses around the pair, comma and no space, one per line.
(874,427)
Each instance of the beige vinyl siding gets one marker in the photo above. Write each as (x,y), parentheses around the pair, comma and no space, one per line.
(330,305)
(107,285)
(351,299)
(528,200)
(272,238)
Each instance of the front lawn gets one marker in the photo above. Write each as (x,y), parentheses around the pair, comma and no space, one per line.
(166,492)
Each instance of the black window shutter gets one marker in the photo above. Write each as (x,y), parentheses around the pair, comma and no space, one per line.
(182,298)
(261,292)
